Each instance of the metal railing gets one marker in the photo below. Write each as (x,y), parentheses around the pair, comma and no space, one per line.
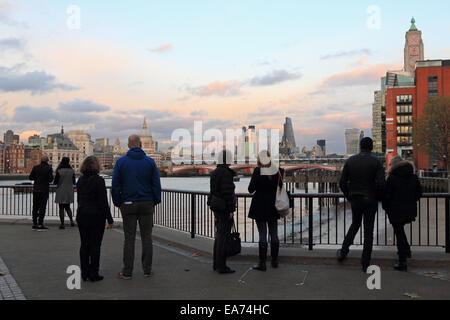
(316,219)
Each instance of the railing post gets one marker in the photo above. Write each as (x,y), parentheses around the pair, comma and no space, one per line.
(193,216)
(447,224)
(310,222)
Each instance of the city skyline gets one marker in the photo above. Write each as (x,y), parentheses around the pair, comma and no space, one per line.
(220,63)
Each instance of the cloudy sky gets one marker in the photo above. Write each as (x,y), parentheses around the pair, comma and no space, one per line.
(228,63)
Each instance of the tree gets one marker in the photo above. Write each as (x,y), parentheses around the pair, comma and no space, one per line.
(431,132)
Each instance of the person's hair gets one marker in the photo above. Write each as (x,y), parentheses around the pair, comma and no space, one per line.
(45,158)
(395,160)
(225,157)
(366,144)
(65,163)
(89,165)
(134,141)
(264,155)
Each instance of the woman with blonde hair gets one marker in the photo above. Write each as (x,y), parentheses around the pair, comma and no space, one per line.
(264,183)
(402,192)
(93,213)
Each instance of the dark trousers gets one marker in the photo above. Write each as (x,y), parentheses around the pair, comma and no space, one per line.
(62,208)
(402,242)
(39,206)
(273,231)
(132,214)
(91,242)
(366,209)
(223,225)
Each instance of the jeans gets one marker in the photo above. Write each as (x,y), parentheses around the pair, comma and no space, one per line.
(132,214)
(366,209)
(273,231)
(402,242)
(39,207)
(223,225)
(91,242)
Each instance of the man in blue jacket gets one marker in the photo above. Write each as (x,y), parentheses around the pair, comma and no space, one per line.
(136,190)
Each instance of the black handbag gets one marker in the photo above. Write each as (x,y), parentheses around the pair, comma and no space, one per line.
(233,244)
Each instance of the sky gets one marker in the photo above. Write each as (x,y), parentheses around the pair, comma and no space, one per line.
(102,66)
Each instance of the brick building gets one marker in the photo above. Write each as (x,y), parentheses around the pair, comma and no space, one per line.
(406,102)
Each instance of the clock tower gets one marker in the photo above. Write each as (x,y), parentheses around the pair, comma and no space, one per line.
(414,48)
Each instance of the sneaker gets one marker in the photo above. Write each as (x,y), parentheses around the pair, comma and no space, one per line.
(123,276)
(72,224)
(34,228)
(148,274)
(42,228)
(341,255)
(62,227)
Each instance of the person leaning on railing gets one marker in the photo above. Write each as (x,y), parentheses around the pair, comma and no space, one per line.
(402,192)
(92,215)
(223,203)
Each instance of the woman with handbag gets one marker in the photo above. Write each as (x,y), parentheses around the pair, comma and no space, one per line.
(263,185)
(222,202)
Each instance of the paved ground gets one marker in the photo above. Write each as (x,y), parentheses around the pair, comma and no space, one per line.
(38,263)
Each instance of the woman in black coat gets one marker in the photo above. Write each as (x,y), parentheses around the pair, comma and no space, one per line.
(92,215)
(402,192)
(223,203)
(263,185)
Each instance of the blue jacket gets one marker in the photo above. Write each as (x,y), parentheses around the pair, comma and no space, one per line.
(136,178)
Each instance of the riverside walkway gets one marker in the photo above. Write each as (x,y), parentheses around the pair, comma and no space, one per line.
(36,263)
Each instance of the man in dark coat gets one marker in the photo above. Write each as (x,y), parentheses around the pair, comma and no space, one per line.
(223,204)
(402,192)
(362,182)
(42,175)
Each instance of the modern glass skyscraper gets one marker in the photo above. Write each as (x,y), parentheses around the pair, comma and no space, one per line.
(352,139)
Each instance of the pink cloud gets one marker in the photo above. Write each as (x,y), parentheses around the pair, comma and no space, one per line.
(218,88)
(162,48)
(359,76)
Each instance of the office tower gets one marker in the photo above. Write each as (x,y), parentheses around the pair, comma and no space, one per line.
(352,140)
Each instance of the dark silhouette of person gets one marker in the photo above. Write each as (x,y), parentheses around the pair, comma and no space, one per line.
(402,192)
(362,182)
(264,187)
(223,203)
(42,175)
(92,215)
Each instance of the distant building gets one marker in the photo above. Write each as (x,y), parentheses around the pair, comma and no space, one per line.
(106,160)
(38,141)
(102,145)
(10,138)
(2,157)
(150,146)
(83,142)
(288,146)
(379,121)
(323,145)
(60,146)
(406,102)
(352,140)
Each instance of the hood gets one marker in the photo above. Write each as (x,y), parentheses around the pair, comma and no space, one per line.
(136,154)
(402,169)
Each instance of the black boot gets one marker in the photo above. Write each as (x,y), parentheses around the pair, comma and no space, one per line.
(261,266)
(401,266)
(342,254)
(274,250)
